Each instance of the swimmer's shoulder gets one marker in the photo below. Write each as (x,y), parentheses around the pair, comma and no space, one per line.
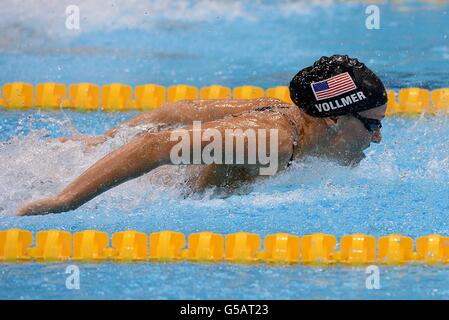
(270,102)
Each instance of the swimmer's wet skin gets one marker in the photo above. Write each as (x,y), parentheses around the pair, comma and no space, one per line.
(339,106)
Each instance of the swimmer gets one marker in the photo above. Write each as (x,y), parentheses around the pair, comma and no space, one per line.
(339,105)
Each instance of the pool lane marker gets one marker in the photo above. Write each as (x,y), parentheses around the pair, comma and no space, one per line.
(120,97)
(241,247)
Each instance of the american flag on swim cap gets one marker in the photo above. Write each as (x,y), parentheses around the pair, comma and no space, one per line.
(333,86)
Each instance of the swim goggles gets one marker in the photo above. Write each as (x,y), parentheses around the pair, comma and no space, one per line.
(370,124)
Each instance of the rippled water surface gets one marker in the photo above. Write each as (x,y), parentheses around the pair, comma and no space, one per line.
(401,187)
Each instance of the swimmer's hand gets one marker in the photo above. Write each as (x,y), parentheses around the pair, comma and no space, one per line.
(89,141)
(43,206)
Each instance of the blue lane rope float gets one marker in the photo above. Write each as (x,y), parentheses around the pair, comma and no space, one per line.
(16,245)
(121,97)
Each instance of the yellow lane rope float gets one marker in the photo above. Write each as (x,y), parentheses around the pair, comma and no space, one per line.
(121,97)
(16,245)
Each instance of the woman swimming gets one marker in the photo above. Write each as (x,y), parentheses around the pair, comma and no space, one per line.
(339,107)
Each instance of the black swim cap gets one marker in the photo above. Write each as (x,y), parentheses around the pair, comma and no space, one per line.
(335,86)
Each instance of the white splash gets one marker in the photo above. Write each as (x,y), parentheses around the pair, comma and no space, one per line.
(29,21)
(34,167)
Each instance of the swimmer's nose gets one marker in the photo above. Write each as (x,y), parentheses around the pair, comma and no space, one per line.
(377,137)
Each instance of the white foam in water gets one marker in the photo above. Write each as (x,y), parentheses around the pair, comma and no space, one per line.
(33,167)
(29,20)
(302,7)
(29,23)
(310,181)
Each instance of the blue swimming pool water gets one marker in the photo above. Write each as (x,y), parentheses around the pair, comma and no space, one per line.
(401,187)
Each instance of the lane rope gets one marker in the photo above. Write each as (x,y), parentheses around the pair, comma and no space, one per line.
(16,245)
(122,97)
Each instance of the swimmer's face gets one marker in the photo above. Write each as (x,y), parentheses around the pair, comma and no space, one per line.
(350,136)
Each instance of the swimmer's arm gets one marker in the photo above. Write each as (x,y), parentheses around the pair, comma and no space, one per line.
(183,113)
(144,154)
